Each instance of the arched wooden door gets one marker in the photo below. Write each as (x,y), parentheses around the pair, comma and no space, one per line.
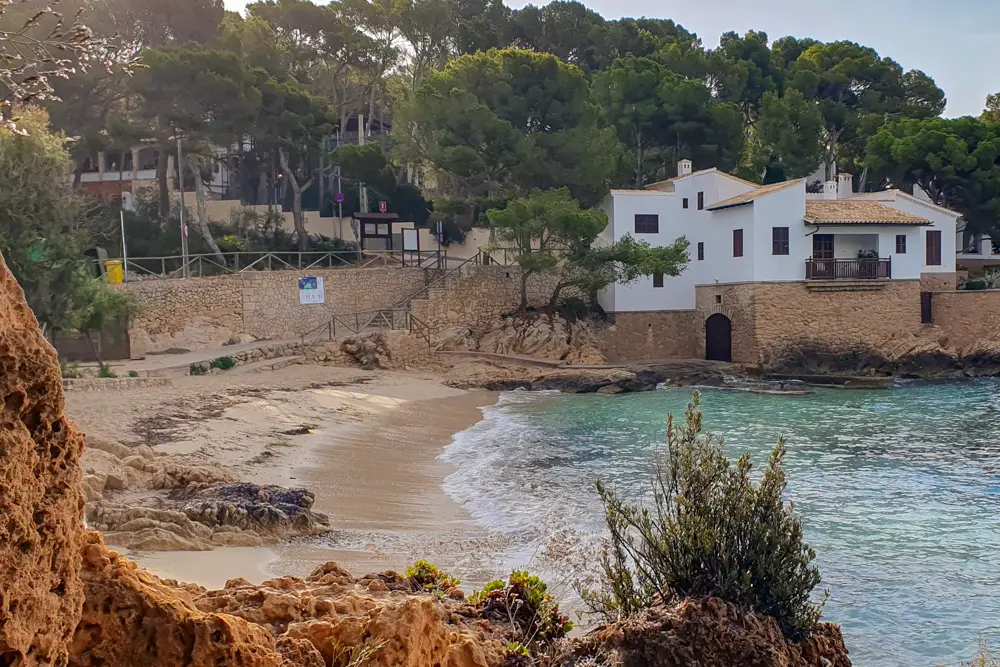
(719,338)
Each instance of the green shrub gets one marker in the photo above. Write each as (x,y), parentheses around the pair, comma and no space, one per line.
(106,372)
(222,363)
(975,285)
(524,602)
(516,654)
(133,374)
(427,577)
(710,532)
(196,369)
(70,370)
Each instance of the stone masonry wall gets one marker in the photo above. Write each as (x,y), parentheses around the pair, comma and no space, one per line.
(198,313)
(479,297)
(191,314)
(271,307)
(655,335)
(735,301)
(938,282)
(788,314)
(966,317)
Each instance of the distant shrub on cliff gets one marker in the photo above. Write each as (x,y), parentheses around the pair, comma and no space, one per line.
(429,578)
(711,531)
(523,601)
(223,363)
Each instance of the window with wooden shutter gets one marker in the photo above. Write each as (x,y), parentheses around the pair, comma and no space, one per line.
(933,248)
(737,243)
(684,203)
(657,280)
(779,240)
(900,244)
(701,200)
(701,250)
(647,223)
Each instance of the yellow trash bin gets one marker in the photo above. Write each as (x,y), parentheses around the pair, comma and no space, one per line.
(114,269)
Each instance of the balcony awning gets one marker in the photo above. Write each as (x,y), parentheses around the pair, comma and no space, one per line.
(856,212)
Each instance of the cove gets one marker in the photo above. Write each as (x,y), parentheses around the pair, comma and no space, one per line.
(899,490)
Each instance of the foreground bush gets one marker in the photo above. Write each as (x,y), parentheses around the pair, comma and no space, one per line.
(711,531)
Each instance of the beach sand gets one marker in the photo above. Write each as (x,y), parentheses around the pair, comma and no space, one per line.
(366,443)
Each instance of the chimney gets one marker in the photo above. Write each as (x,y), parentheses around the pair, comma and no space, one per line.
(684,167)
(830,190)
(845,186)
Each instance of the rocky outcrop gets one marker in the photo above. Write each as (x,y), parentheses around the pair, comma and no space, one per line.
(711,632)
(198,517)
(40,499)
(904,355)
(496,375)
(131,617)
(541,336)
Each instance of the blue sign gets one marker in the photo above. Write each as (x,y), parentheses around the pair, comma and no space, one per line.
(339,197)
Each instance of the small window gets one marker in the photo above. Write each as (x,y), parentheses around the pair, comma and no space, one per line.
(737,243)
(718,298)
(684,203)
(647,223)
(657,280)
(900,244)
(779,240)
(701,250)
(934,248)
(701,200)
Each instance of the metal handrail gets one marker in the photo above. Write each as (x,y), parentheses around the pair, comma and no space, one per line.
(356,323)
(171,266)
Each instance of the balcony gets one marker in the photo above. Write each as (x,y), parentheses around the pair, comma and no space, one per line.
(874,268)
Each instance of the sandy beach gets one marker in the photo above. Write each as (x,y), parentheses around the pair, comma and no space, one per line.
(365,442)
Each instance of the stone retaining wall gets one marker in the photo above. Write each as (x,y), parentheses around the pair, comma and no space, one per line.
(480,297)
(653,335)
(966,317)
(199,313)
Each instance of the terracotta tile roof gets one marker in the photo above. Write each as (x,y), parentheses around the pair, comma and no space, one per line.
(857,212)
(753,195)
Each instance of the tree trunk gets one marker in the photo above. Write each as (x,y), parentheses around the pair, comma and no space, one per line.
(96,349)
(161,179)
(201,212)
(864,178)
(554,299)
(77,177)
(297,217)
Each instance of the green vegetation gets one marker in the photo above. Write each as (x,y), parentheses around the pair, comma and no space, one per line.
(105,371)
(523,602)
(133,374)
(711,531)
(424,576)
(197,369)
(222,363)
(70,370)
(551,234)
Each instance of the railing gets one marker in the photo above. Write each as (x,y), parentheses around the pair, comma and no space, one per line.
(175,266)
(849,269)
(366,321)
(394,317)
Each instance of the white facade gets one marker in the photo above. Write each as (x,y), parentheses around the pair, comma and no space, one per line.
(898,243)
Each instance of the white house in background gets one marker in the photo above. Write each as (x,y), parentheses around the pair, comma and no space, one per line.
(763,258)
(741,232)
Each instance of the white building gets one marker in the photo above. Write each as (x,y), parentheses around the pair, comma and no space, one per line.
(742,232)
(760,238)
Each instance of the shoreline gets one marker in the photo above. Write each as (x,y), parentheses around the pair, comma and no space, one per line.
(369,450)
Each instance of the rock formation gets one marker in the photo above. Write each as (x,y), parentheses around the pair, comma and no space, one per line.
(540,336)
(40,499)
(143,501)
(711,632)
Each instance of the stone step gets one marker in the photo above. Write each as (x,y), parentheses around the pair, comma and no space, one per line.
(270,364)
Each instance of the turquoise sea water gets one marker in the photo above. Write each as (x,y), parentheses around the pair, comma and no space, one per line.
(899,491)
